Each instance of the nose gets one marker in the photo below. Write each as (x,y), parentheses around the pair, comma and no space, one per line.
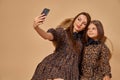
(80,23)
(90,30)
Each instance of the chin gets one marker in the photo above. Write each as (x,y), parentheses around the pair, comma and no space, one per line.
(91,37)
(79,30)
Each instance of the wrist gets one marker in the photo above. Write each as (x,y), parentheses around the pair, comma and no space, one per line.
(35,26)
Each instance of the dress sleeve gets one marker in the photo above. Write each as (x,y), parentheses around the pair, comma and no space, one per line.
(57,34)
(104,61)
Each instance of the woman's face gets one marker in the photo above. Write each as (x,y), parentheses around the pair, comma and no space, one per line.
(80,23)
(92,31)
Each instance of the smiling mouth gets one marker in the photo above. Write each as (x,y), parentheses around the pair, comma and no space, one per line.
(90,33)
(78,27)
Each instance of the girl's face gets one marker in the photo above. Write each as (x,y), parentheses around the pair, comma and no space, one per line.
(80,23)
(92,31)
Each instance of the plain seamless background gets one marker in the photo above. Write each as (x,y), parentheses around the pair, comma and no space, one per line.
(21,48)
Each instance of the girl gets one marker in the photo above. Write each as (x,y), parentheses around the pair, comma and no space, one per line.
(62,64)
(95,63)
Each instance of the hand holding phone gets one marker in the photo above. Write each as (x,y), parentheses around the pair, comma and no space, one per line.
(45,11)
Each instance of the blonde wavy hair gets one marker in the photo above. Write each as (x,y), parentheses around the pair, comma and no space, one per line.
(65,23)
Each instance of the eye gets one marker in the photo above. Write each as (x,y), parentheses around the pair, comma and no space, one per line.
(85,23)
(93,28)
(79,19)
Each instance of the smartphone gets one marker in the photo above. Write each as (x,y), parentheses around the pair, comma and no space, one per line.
(45,11)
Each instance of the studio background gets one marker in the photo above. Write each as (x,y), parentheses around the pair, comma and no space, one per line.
(21,48)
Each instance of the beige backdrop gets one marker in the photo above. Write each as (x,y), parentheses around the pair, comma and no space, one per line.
(21,48)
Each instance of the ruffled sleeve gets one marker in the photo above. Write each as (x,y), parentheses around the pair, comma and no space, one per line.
(58,34)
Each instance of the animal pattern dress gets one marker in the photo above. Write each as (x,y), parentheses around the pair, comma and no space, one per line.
(63,62)
(95,63)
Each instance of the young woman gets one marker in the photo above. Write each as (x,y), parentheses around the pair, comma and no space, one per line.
(96,55)
(62,64)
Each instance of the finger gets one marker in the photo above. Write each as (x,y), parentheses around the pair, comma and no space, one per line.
(42,15)
(39,21)
(104,78)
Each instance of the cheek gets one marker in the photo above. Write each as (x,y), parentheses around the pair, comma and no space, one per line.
(83,27)
(96,33)
(74,24)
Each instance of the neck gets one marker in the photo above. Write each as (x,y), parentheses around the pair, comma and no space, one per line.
(95,39)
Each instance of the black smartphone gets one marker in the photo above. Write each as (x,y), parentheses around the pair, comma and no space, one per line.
(45,11)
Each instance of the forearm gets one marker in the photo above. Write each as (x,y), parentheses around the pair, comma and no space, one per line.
(44,34)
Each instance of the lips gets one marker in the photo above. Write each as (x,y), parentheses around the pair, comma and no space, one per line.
(78,26)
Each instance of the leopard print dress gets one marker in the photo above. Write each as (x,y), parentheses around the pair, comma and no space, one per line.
(95,63)
(63,62)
